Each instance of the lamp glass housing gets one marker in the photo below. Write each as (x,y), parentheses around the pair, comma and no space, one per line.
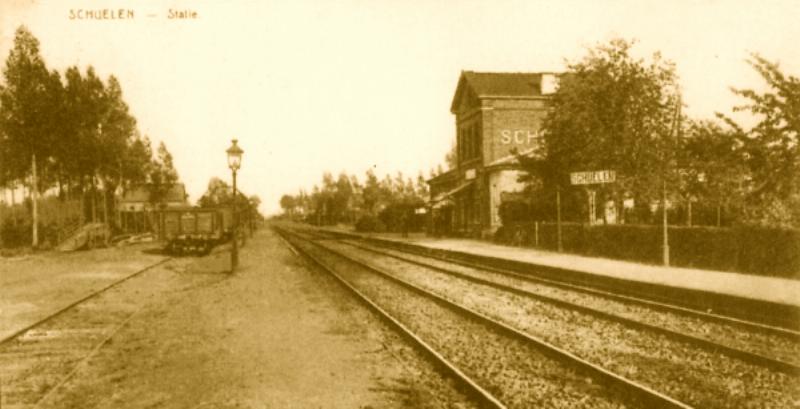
(234,156)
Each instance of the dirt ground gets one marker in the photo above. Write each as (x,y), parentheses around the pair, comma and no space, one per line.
(275,334)
(36,285)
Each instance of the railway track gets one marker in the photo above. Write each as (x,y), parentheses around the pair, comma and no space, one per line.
(657,353)
(36,360)
(672,308)
(781,343)
(513,367)
(767,320)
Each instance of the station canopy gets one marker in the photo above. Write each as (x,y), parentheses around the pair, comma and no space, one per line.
(446,198)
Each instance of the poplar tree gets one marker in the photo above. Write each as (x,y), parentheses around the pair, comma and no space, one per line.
(29,101)
(163,174)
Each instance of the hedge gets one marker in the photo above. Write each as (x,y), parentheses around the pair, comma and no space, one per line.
(746,249)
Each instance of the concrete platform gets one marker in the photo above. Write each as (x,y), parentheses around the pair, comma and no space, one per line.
(758,288)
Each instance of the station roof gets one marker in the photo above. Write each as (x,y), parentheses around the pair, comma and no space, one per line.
(498,84)
(444,198)
(512,159)
(444,178)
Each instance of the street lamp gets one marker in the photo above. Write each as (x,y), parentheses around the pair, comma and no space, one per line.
(234,163)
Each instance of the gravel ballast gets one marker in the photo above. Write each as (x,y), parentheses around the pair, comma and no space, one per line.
(685,372)
(759,342)
(514,371)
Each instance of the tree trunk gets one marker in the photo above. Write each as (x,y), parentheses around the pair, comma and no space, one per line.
(34,200)
(94,200)
(13,202)
(105,203)
(689,213)
(82,195)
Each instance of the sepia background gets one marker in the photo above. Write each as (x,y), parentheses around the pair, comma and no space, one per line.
(310,86)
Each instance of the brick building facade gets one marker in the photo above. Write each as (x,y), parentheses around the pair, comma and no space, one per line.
(495,113)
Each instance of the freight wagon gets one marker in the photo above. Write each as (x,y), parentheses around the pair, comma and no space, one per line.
(193,230)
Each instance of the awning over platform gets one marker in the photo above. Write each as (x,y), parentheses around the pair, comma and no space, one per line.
(445,198)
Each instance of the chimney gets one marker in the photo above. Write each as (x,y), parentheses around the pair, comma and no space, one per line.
(549,83)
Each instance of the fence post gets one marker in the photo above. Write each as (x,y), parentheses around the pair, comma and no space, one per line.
(536,233)
(558,220)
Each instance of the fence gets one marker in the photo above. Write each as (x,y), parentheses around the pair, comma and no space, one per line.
(746,249)
(57,219)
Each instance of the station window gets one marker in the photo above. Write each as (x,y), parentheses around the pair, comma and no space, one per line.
(477,140)
(470,142)
(462,145)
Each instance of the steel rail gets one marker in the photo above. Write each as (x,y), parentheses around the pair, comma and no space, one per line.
(486,398)
(85,359)
(642,393)
(752,325)
(61,311)
(73,304)
(767,362)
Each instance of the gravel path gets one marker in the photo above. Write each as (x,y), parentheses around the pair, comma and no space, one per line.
(518,374)
(275,334)
(694,376)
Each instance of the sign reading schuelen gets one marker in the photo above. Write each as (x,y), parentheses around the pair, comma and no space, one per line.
(592,178)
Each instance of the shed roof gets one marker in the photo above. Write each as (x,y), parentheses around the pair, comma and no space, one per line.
(141,194)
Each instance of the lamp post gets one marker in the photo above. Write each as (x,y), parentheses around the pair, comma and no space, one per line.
(234,163)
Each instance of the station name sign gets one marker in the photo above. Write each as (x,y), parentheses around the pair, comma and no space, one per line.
(519,136)
(593,178)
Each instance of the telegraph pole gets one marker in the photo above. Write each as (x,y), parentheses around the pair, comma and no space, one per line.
(664,222)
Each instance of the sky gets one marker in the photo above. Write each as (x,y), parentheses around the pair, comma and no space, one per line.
(348,85)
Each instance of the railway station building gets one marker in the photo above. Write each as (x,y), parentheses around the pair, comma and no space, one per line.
(495,113)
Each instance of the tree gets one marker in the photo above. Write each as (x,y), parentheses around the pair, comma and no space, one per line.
(137,162)
(73,133)
(71,147)
(218,193)
(611,111)
(771,148)
(253,202)
(29,103)
(451,158)
(163,175)
(372,192)
(711,169)
(81,152)
(288,203)
(342,198)
(117,130)
(421,189)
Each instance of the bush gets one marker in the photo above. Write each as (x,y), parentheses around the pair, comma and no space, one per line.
(401,217)
(15,233)
(769,251)
(369,223)
(514,212)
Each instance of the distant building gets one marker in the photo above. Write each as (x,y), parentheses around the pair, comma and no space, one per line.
(495,113)
(136,207)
